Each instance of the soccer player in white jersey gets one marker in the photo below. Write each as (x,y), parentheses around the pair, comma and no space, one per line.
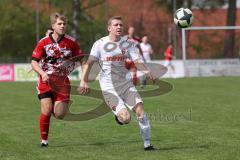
(118,91)
(146,49)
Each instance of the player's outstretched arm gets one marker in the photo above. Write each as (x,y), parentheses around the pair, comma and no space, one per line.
(83,87)
(143,68)
(38,69)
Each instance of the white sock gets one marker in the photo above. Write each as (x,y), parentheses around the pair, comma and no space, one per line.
(145,129)
(44,141)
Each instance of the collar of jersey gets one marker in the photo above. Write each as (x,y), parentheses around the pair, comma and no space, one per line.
(50,36)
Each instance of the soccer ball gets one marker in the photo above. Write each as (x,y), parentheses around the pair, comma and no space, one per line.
(183,17)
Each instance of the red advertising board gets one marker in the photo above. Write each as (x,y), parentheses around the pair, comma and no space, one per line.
(6,72)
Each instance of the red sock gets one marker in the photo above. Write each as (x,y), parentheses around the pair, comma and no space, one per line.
(134,78)
(44,126)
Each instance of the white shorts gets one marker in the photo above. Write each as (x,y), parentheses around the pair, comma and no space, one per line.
(117,101)
(168,63)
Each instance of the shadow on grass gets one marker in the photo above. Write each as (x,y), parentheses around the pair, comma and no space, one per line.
(158,148)
(96,144)
(203,146)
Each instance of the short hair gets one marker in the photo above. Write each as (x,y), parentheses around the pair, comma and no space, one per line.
(50,28)
(113,18)
(55,16)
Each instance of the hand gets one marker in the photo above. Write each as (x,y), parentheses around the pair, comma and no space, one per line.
(83,88)
(151,76)
(45,77)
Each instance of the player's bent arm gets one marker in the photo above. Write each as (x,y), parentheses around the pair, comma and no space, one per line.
(143,68)
(151,51)
(86,70)
(83,88)
(38,69)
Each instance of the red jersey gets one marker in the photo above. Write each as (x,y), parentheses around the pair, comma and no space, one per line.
(53,54)
(168,54)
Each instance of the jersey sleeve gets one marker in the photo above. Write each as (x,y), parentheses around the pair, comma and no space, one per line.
(77,50)
(95,51)
(38,51)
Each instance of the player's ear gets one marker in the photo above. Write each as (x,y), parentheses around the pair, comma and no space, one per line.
(52,26)
(108,28)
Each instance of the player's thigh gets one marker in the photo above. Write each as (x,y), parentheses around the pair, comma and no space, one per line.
(114,101)
(46,106)
(132,98)
(61,100)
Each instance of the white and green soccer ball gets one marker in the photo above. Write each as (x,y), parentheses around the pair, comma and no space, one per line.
(183,17)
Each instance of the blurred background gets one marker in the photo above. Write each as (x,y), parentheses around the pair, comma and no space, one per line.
(24,22)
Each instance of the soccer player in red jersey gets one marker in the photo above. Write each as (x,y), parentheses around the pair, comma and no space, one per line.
(130,64)
(49,55)
(168,58)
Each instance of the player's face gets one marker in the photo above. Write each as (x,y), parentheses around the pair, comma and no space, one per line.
(145,39)
(59,27)
(116,27)
(131,31)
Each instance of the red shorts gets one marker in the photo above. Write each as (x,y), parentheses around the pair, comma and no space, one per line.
(58,88)
(129,64)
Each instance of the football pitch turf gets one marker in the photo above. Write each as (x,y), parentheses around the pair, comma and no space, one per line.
(199,119)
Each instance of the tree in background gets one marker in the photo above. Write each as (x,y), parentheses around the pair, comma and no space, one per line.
(229,41)
(17,30)
(18,22)
(75,19)
(82,26)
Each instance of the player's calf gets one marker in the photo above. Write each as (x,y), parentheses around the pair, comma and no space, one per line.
(144,125)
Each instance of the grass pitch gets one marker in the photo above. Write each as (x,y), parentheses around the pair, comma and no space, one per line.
(199,119)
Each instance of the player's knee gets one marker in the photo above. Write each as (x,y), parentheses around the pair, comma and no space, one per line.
(124,117)
(59,115)
(138,109)
(60,110)
(46,111)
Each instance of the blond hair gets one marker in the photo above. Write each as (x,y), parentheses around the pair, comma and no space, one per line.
(113,18)
(55,16)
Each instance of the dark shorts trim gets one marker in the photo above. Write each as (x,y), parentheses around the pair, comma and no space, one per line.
(48,94)
(35,59)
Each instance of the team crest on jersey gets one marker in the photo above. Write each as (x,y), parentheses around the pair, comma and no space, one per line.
(57,51)
(124,51)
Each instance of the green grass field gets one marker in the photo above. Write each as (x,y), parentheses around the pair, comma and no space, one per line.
(199,119)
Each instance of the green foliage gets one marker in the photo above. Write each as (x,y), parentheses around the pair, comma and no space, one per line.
(90,32)
(17,34)
(18,27)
